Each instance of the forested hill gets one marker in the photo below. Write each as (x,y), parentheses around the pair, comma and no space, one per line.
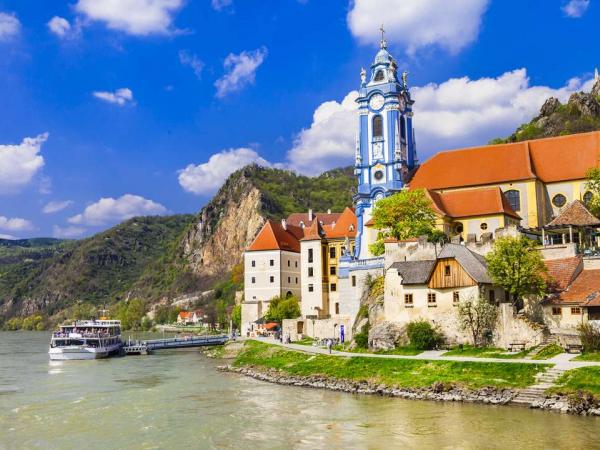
(579,115)
(159,258)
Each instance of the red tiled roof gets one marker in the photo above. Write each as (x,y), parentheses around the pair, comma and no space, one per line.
(185,314)
(273,236)
(494,164)
(576,214)
(325,218)
(471,202)
(345,226)
(585,290)
(561,272)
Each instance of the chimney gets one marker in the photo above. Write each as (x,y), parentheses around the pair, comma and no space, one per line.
(310,215)
(284,224)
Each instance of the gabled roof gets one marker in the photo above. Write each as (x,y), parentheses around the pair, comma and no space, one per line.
(543,159)
(273,236)
(185,314)
(414,272)
(314,232)
(472,262)
(297,219)
(584,291)
(471,202)
(561,272)
(345,226)
(575,214)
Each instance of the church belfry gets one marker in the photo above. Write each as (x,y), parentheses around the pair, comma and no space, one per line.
(385,145)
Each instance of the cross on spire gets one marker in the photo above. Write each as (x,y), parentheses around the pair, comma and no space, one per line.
(383,42)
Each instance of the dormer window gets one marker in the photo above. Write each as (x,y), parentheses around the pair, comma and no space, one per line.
(377,127)
(379,76)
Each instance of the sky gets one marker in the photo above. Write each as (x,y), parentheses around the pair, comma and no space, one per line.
(115,108)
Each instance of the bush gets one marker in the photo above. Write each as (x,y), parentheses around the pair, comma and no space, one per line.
(423,336)
(590,337)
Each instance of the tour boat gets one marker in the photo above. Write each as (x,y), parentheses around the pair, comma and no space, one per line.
(86,339)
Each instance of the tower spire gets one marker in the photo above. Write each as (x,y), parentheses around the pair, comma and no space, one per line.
(596,75)
(383,41)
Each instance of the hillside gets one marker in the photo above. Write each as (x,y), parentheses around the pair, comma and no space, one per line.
(579,115)
(154,258)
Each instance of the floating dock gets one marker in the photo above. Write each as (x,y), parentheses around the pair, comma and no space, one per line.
(146,347)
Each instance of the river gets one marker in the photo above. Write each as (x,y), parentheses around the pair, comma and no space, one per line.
(176,399)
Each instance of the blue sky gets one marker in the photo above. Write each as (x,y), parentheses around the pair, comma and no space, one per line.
(112,108)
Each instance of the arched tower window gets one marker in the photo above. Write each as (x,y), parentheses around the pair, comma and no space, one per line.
(379,76)
(377,126)
(514,199)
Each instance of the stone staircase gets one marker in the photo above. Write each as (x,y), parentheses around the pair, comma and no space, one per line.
(548,340)
(535,393)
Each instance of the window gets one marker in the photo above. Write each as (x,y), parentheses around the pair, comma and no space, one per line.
(447,271)
(272,279)
(456,297)
(337,308)
(353,280)
(289,280)
(408,299)
(310,255)
(333,287)
(379,76)
(332,270)
(253,263)
(377,127)
(289,263)
(253,280)
(559,200)
(296,264)
(483,226)
(556,311)
(332,252)
(378,175)
(514,199)
(492,296)
(431,298)
(506,297)
(458,228)
(310,271)
(587,198)
(575,311)
(311,288)
(296,280)
(272,262)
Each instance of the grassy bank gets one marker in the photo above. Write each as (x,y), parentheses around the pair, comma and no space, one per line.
(484,352)
(586,379)
(392,372)
(593,356)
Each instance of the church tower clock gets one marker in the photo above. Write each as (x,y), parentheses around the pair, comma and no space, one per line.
(385,147)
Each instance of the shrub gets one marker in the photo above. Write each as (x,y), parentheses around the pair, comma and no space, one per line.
(362,339)
(590,337)
(423,336)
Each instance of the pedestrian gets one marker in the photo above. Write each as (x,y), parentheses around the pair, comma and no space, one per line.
(329,345)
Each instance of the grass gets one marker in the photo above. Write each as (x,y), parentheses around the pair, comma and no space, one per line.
(585,379)
(590,356)
(305,341)
(484,352)
(392,372)
(549,351)
(403,351)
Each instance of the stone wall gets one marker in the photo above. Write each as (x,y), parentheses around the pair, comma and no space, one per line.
(296,329)
(513,328)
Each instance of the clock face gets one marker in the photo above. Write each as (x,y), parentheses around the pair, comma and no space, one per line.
(376,102)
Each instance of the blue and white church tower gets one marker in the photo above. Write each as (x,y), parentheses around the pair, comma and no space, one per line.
(385,144)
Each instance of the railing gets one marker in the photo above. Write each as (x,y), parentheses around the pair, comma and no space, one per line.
(367,262)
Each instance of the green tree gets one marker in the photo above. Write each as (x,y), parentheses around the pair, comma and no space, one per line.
(236,316)
(14,324)
(478,318)
(593,185)
(404,215)
(517,266)
(280,308)
(131,313)
(221,310)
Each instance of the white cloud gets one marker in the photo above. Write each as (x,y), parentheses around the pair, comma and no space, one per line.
(188,59)
(220,5)
(119,97)
(68,232)
(19,163)
(576,8)
(110,210)
(7,236)
(59,26)
(330,140)
(15,224)
(456,113)
(9,26)
(241,71)
(136,17)
(418,23)
(206,178)
(56,206)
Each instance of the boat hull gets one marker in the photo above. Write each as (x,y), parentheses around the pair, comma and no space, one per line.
(73,353)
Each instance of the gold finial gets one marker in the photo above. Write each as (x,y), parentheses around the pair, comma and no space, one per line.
(383,42)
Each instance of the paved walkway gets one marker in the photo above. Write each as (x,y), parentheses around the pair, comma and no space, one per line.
(562,361)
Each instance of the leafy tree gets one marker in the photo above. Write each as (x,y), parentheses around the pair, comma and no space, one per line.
(516,265)
(221,310)
(131,313)
(166,314)
(14,324)
(593,185)
(406,214)
(280,308)
(478,318)
(236,316)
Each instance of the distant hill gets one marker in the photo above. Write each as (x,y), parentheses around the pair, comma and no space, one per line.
(30,243)
(579,115)
(153,258)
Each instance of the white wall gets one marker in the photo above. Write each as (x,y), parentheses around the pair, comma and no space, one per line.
(313,302)
(258,272)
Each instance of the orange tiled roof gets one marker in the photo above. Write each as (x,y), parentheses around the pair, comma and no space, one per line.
(345,226)
(585,290)
(314,232)
(472,202)
(561,272)
(575,213)
(273,236)
(494,164)
(296,219)
(185,314)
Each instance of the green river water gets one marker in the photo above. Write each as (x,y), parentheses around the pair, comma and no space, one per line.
(177,400)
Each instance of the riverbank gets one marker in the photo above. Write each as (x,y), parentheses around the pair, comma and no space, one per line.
(498,383)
